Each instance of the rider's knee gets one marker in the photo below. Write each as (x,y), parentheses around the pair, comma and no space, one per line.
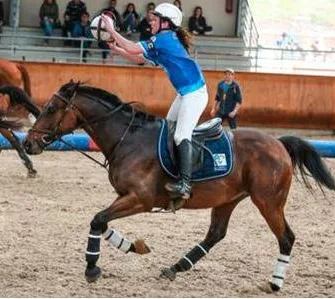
(178,138)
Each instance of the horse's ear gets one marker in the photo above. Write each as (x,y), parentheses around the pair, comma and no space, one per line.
(71,81)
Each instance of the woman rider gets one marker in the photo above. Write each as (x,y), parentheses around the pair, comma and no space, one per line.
(169,47)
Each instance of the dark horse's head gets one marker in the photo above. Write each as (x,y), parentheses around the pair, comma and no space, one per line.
(74,105)
(56,119)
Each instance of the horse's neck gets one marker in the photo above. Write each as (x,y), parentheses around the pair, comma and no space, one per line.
(115,132)
(105,132)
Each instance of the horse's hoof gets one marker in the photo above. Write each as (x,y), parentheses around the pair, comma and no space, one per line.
(92,274)
(268,287)
(32,174)
(274,287)
(168,273)
(141,247)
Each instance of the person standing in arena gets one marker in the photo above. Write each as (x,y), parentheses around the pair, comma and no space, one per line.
(168,47)
(228,99)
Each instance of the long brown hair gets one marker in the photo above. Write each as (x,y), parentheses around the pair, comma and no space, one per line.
(185,37)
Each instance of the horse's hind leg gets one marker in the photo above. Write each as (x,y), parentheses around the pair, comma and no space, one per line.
(15,142)
(273,212)
(217,231)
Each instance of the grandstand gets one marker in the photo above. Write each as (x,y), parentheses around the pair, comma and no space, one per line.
(235,43)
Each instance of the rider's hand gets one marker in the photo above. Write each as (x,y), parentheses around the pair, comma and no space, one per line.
(109,24)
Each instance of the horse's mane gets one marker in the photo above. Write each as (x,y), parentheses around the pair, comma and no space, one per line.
(109,99)
(19,97)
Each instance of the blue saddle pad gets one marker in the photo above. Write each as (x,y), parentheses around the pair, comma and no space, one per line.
(217,159)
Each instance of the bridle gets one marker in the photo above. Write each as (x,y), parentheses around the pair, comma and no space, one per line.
(49,136)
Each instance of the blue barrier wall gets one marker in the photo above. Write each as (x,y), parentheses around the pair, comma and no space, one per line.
(81,141)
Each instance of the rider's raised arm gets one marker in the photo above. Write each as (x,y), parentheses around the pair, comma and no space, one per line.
(138,58)
(128,45)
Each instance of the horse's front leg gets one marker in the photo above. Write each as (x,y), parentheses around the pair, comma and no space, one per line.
(123,206)
(15,142)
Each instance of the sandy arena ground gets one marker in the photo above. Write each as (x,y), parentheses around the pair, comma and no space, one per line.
(44,224)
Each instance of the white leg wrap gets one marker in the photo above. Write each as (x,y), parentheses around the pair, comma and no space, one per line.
(279,270)
(116,239)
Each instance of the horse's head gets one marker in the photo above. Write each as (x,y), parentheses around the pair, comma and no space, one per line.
(58,117)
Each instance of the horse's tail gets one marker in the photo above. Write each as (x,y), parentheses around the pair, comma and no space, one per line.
(304,155)
(25,78)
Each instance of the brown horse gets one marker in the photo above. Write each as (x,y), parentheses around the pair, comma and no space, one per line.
(263,170)
(13,73)
(12,97)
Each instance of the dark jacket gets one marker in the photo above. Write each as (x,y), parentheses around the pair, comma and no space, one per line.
(144,28)
(74,10)
(198,24)
(228,96)
(49,10)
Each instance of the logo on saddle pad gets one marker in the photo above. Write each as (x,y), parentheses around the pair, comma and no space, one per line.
(212,151)
(220,162)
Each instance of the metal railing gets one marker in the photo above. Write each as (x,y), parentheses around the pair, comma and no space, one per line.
(247,28)
(257,59)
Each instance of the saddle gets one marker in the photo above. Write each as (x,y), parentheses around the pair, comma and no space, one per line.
(212,151)
(209,130)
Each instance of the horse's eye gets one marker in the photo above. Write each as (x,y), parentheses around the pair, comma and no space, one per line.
(51,109)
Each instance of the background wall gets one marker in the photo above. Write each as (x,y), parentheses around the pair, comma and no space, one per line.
(214,11)
(274,100)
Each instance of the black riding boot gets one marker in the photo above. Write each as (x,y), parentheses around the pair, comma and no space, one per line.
(181,190)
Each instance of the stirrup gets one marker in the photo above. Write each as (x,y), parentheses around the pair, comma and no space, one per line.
(179,190)
(175,204)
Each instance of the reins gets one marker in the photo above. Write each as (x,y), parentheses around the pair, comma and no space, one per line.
(88,124)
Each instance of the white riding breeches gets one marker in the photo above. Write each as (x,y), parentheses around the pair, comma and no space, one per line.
(186,111)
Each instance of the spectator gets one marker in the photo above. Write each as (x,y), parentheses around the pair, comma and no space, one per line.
(144,26)
(287,41)
(72,15)
(82,29)
(178,4)
(118,23)
(228,99)
(112,8)
(197,23)
(49,18)
(130,19)
(150,6)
